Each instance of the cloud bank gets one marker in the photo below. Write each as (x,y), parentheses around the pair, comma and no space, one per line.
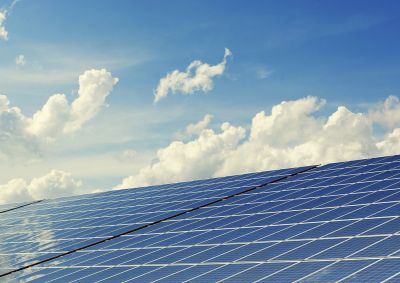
(292,134)
(197,77)
(54,184)
(24,136)
(195,159)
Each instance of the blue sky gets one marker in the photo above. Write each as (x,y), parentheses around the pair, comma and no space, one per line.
(346,52)
(334,50)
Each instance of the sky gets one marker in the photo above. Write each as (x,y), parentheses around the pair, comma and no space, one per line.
(98,95)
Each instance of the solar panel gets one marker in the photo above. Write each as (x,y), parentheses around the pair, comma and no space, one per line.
(336,222)
(11,206)
(47,229)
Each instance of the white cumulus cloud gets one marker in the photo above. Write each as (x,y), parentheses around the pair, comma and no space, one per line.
(94,87)
(195,159)
(58,116)
(343,135)
(293,133)
(54,184)
(21,135)
(198,76)
(391,143)
(387,113)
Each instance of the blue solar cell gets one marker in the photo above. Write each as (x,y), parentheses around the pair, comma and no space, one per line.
(239,252)
(80,273)
(353,188)
(175,254)
(261,220)
(387,246)
(301,216)
(161,272)
(209,253)
(109,275)
(209,237)
(390,211)
(393,197)
(376,272)
(255,234)
(309,249)
(229,235)
(188,273)
(296,272)
(368,210)
(60,272)
(323,229)
(392,226)
(374,197)
(256,272)
(159,255)
(30,274)
(393,279)
(272,251)
(337,271)
(288,232)
(358,227)
(347,247)
(335,213)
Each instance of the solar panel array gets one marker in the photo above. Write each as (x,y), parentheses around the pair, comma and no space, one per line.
(334,223)
(40,231)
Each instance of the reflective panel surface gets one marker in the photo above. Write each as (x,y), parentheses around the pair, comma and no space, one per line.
(39,231)
(334,223)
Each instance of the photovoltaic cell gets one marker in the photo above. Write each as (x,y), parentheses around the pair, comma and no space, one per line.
(334,223)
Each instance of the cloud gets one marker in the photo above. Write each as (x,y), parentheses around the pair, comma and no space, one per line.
(391,143)
(3,31)
(196,128)
(55,184)
(191,160)
(21,135)
(20,60)
(343,135)
(94,87)
(197,77)
(15,141)
(387,114)
(3,16)
(293,133)
(57,116)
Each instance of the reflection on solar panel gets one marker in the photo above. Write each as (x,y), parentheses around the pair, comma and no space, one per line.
(337,222)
